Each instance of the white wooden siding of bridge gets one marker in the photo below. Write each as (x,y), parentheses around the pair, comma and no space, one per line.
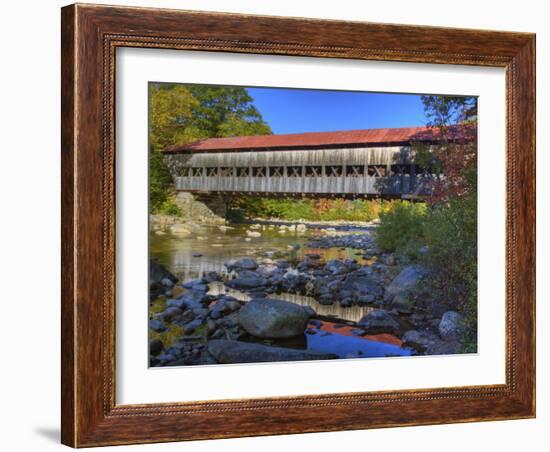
(393,185)
(301,159)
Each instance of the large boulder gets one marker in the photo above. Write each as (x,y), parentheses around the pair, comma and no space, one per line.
(428,343)
(158,273)
(211,277)
(212,213)
(179,229)
(378,322)
(170,314)
(419,340)
(451,326)
(336,267)
(156,325)
(155,346)
(405,282)
(362,285)
(246,263)
(326,300)
(403,303)
(198,287)
(229,352)
(268,318)
(191,299)
(320,287)
(249,280)
(192,283)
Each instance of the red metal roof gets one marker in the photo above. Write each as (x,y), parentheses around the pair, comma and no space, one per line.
(312,139)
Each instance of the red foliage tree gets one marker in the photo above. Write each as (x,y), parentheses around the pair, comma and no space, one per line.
(458,162)
(454,121)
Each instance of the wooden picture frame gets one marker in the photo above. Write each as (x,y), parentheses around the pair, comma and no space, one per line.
(90,36)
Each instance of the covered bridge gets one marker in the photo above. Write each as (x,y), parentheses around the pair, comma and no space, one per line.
(374,162)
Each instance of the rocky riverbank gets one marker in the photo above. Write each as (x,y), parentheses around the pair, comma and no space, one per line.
(190,323)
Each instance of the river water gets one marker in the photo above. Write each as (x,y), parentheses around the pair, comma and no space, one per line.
(217,246)
(192,256)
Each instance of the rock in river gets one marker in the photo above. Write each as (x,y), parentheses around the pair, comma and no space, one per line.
(229,352)
(248,281)
(155,346)
(362,285)
(180,229)
(268,318)
(336,267)
(196,284)
(189,300)
(158,273)
(405,282)
(403,303)
(170,313)
(156,325)
(167,282)
(242,264)
(429,343)
(419,340)
(377,322)
(451,326)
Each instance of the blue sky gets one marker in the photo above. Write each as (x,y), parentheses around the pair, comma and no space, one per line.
(301,110)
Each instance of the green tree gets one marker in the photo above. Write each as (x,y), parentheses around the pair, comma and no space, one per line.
(171,115)
(444,111)
(160,181)
(456,154)
(180,114)
(224,111)
(447,223)
(401,227)
(170,122)
(236,126)
(450,229)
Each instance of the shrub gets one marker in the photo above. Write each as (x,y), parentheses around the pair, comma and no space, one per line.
(450,232)
(401,227)
(305,209)
(356,210)
(160,181)
(290,209)
(169,207)
(451,235)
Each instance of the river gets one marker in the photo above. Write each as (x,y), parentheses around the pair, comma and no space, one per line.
(217,246)
(192,256)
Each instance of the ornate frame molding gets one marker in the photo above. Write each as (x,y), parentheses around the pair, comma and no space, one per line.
(90,37)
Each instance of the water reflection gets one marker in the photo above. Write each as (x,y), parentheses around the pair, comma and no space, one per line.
(193,256)
(352,347)
(216,246)
(352,313)
(207,250)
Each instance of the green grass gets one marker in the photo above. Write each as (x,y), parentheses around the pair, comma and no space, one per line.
(169,207)
(449,231)
(402,226)
(289,209)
